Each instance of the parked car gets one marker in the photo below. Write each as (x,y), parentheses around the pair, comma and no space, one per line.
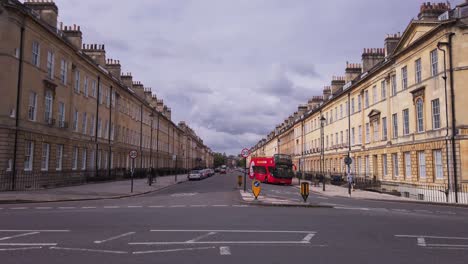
(222,171)
(205,173)
(195,175)
(217,170)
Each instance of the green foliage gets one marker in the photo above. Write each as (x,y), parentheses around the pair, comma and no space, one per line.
(219,159)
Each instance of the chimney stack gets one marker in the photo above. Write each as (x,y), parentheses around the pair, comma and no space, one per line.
(73,35)
(114,67)
(139,89)
(431,11)
(159,105)
(47,10)
(314,102)
(391,41)
(127,79)
(353,70)
(302,109)
(337,84)
(326,93)
(97,52)
(371,57)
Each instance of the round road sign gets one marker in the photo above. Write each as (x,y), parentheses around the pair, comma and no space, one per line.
(348,160)
(245,153)
(133,154)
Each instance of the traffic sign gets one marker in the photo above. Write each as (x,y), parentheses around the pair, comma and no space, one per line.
(245,153)
(256,188)
(133,154)
(305,190)
(348,160)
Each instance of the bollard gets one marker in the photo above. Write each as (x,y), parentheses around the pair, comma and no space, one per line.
(305,191)
(239,180)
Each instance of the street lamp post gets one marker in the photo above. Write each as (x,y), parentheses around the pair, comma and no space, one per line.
(322,121)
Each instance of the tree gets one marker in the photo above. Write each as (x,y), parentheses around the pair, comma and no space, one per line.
(219,159)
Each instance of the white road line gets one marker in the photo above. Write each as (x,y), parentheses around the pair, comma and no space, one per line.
(421,242)
(19,208)
(307,238)
(198,205)
(19,235)
(43,208)
(111,207)
(242,205)
(351,208)
(90,250)
(447,245)
(24,230)
(200,237)
(66,207)
(224,251)
(24,248)
(233,231)
(28,244)
(88,207)
(218,242)
(113,238)
(156,206)
(171,250)
(220,205)
(135,206)
(177,206)
(440,237)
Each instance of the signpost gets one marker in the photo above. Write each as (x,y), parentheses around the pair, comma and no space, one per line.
(348,161)
(245,153)
(305,191)
(133,155)
(256,188)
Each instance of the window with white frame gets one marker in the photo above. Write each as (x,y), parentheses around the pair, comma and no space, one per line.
(63,71)
(352,105)
(84,123)
(45,157)
(367,166)
(346,136)
(50,64)
(331,116)
(28,155)
(438,169)
(405,121)
(384,165)
(367,133)
(108,98)
(75,158)
(383,88)
(106,129)
(32,107)
(93,88)
(48,103)
(384,128)
(393,83)
(395,164)
(417,70)
(374,94)
(9,165)
(77,81)
(360,135)
(359,165)
(366,98)
(422,164)
(434,63)
(404,78)
(59,157)
(407,165)
(99,126)
(91,125)
(84,157)
(99,158)
(341,111)
(100,92)
(352,137)
(76,116)
(85,86)
(92,158)
(435,113)
(376,130)
(395,125)
(36,54)
(359,102)
(61,114)
(420,115)
(336,113)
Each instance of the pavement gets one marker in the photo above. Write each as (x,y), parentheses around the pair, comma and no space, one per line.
(206,222)
(106,190)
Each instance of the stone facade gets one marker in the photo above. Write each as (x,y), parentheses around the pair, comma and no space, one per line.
(66,107)
(390,113)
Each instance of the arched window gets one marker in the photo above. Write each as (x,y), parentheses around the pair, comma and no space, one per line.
(419,115)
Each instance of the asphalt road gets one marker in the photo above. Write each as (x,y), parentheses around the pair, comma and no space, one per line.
(205,222)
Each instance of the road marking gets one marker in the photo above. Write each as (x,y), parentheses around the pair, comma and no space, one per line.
(113,238)
(134,206)
(421,242)
(19,235)
(233,231)
(19,208)
(423,211)
(24,248)
(200,237)
(220,205)
(183,194)
(90,250)
(224,251)
(218,242)
(351,208)
(439,237)
(88,207)
(111,207)
(447,245)
(66,207)
(177,206)
(199,205)
(308,237)
(18,230)
(242,205)
(28,244)
(156,206)
(43,208)
(171,250)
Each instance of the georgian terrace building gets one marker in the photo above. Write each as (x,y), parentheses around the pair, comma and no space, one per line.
(400,114)
(67,110)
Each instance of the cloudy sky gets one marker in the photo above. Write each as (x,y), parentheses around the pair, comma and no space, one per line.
(234,69)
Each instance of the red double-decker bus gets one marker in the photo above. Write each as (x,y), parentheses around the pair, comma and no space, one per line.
(277,169)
